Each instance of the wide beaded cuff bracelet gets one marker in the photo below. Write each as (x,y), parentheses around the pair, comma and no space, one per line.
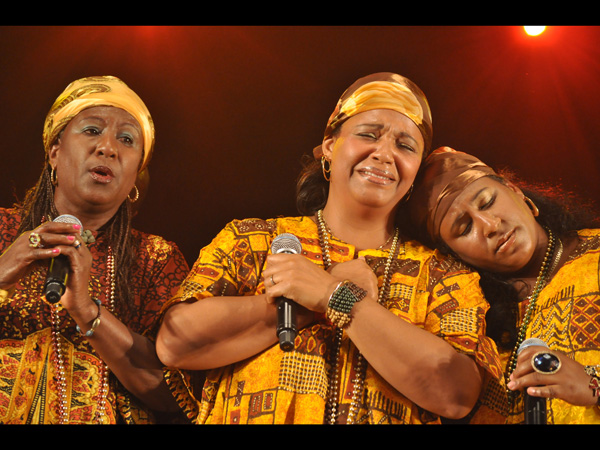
(343,298)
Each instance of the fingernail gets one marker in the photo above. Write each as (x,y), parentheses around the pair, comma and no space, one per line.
(56,251)
(71,238)
(76,226)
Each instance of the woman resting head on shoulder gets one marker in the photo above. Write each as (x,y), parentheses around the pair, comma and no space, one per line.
(380,336)
(538,262)
(93,333)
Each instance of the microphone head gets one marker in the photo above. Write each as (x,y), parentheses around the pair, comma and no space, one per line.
(68,218)
(530,343)
(286,243)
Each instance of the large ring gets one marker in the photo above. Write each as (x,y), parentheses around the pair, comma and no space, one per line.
(77,244)
(545,363)
(35,241)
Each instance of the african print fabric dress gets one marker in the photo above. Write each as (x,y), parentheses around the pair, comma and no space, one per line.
(567,318)
(29,387)
(275,387)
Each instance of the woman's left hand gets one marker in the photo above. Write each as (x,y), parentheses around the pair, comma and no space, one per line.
(570,383)
(360,273)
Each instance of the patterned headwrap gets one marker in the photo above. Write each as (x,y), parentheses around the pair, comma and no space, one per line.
(98,91)
(443,175)
(382,91)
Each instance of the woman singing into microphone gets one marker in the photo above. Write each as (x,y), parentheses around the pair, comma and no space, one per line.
(389,331)
(89,357)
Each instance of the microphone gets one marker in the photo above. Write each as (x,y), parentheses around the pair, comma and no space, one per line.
(535,407)
(58,270)
(286,309)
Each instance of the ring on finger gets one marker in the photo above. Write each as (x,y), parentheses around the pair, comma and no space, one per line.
(545,363)
(273,281)
(35,241)
(77,244)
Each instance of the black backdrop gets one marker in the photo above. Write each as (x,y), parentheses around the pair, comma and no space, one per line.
(236,107)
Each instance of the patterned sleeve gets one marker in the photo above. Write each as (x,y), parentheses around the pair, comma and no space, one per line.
(231,264)
(457,314)
(161,268)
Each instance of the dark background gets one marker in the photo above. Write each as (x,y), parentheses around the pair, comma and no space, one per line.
(236,107)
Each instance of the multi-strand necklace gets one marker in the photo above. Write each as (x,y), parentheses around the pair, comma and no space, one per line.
(59,359)
(335,369)
(545,271)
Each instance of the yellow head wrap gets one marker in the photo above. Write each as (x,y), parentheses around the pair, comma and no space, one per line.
(382,91)
(98,91)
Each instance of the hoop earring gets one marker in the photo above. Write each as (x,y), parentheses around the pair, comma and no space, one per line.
(53,177)
(407,196)
(534,209)
(137,195)
(326,171)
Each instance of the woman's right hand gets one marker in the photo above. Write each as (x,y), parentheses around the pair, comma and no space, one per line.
(21,254)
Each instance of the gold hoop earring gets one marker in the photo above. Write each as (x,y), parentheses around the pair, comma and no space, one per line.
(326,171)
(137,195)
(534,209)
(53,177)
(407,196)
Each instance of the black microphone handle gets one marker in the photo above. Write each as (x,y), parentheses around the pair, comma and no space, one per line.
(534,408)
(56,280)
(286,323)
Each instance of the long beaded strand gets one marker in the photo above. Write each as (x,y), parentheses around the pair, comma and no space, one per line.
(358,382)
(63,412)
(540,282)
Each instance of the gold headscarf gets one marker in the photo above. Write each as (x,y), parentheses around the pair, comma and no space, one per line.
(443,175)
(382,91)
(98,91)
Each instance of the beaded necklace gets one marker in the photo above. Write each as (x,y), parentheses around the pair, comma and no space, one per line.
(540,282)
(59,361)
(332,403)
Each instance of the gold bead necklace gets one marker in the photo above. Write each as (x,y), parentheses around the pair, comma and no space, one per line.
(332,401)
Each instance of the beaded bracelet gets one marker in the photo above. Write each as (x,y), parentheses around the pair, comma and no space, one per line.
(594,373)
(343,298)
(95,323)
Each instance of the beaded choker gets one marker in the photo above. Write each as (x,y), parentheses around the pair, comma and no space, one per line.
(332,402)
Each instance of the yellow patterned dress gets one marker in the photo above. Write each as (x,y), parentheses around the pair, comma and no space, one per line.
(276,387)
(567,318)
(28,369)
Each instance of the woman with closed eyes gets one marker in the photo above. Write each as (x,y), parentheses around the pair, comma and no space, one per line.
(388,331)
(539,263)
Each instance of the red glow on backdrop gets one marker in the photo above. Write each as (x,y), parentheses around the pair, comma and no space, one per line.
(236,107)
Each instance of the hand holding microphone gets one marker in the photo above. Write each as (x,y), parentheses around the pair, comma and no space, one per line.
(545,363)
(58,269)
